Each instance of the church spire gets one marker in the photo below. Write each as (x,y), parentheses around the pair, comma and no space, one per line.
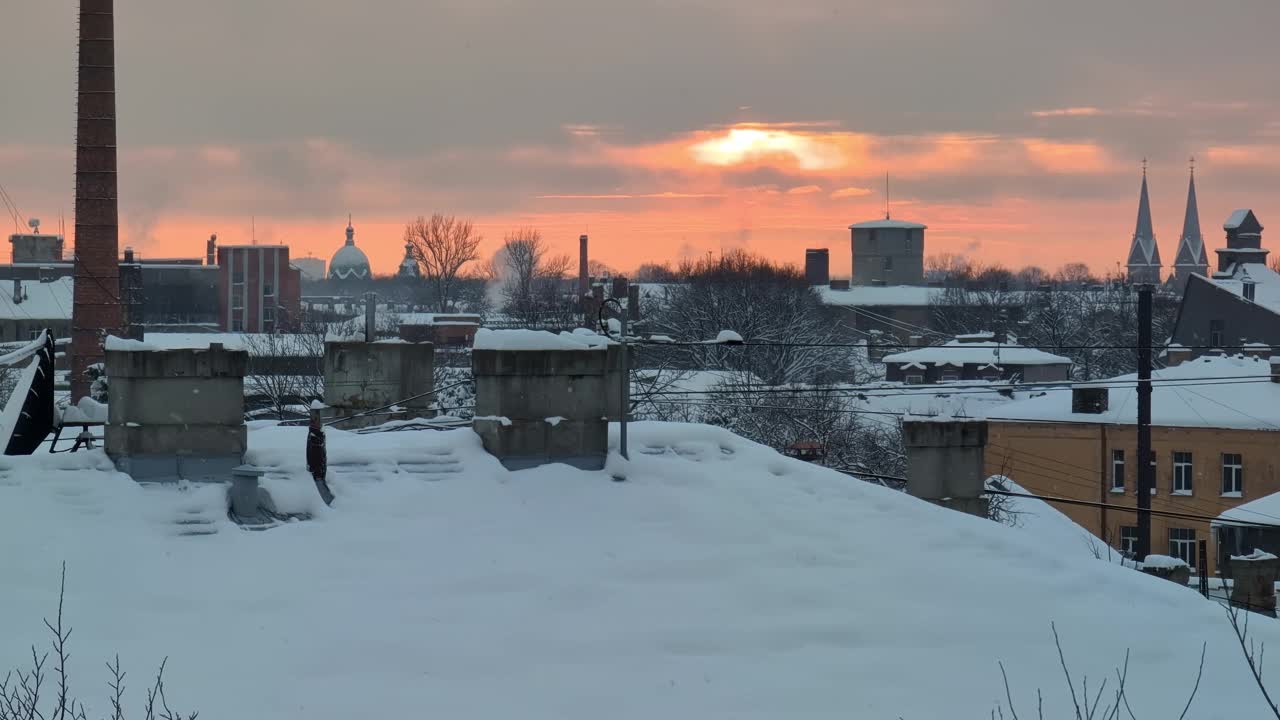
(1191,258)
(351,231)
(1144,254)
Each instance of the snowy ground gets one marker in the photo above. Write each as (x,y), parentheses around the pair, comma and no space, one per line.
(721,581)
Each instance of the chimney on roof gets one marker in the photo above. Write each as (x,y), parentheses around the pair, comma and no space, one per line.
(211,250)
(17,291)
(128,255)
(1089,400)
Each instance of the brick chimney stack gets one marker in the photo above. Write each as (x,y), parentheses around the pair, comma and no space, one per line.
(211,251)
(583,283)
(96,310)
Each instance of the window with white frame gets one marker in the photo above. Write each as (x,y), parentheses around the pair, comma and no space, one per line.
(950,376)
(1182,545)
(915,379)
(1117,471)
(1181,473)
(1129,540)
(1232,474)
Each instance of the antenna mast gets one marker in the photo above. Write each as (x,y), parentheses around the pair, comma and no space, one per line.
(886,194)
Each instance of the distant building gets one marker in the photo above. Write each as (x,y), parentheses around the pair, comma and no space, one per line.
(28,307)
(1191,258)
(1144,253)
(258,290)
(976,357)
(350,262)
(34,247)
(817,266)
(409,265)
(312,268)
(445,330)
(1235,308)
(1080,444)
(888,252)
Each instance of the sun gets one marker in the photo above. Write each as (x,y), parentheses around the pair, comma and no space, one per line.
(742,145)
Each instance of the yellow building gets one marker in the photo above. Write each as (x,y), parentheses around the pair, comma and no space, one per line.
(1215,437)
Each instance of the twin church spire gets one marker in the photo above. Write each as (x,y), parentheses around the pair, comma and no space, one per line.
(1144,253)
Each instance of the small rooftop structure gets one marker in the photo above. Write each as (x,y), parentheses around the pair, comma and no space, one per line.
(976,356)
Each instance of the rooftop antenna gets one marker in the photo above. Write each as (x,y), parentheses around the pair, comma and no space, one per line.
(253,231)
(1193,166)
(886,194)
(1144,166)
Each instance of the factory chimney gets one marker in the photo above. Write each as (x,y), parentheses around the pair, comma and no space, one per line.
(584,285)
(211,251)
(96,310)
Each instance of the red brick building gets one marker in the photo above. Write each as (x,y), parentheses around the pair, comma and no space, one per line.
(258,290)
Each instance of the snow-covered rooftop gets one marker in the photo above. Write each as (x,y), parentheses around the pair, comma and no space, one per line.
(257,344)
(957,352)
(41,301)
(1211,391)
(1265,509)
(1234,220)
(441,584)
(466,319)
(1266,283)
(871,296)
(887,224)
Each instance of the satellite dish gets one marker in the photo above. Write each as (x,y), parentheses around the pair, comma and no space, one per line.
(34,224)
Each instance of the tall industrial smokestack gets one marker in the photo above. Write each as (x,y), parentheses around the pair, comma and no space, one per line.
(96,308)
(583,284)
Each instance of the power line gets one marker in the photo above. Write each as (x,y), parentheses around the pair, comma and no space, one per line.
(906,348)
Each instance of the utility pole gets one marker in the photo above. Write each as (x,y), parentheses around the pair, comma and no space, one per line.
(626,390)
(1146,475)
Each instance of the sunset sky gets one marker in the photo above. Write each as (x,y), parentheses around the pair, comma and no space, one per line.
(1015,129)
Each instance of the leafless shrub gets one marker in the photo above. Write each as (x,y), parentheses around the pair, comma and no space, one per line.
(1086,704)
(22,690)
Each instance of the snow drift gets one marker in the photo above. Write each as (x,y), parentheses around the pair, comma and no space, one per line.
(721,580)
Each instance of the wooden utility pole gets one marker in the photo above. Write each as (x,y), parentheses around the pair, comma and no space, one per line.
(1146,474)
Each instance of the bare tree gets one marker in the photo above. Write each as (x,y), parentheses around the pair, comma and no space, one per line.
(531,277)
(286,370)
(442,244)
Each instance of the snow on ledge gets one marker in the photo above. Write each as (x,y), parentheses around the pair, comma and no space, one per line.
(118,344)
(1256,555)
(1164,562)
(534,340)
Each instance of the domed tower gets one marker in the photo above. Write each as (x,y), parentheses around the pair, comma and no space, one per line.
(409,265)
(350,262)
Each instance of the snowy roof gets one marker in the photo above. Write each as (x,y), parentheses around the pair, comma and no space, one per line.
(1181,396)
(42,300)
(872,296)
(1266,283)
(1235,219)
(530,573)
(1265,509)
(887,224)
(977,353)
(438,319)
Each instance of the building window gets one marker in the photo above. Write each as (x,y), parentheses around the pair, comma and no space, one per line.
(33,334)
(268,290)
(915,379)
(1129,540)
(888,263)
(1182,545)
(950,377)
(237,324)
(1215,333)
(1232,475)
(1182,473)
(1117,471)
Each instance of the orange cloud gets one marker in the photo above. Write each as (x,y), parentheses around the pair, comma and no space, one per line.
(805,190)
(1085,111)
(1059,157)
(850,192)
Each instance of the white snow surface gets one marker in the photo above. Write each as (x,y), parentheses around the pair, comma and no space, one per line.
(956,352)
(42,301)
(487,339)
(722,580)
(1244,399)
(887,224)
(872,295)
(1265,509)
(1266,284)
(1236,217)
(1164,562)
